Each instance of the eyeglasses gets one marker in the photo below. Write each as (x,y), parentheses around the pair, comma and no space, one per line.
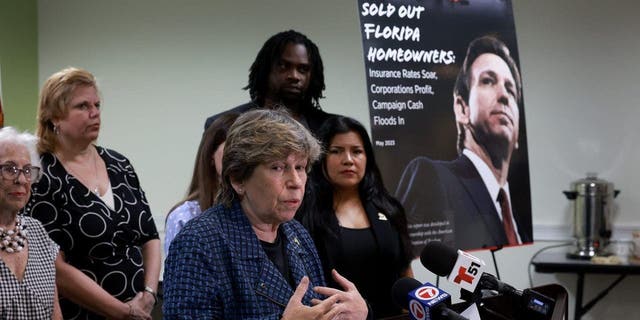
(12,172)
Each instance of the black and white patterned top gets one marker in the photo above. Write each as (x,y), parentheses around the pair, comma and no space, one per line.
(105,244)
(31,298)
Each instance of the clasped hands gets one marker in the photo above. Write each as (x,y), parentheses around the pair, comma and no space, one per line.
(339,304)
(140,307)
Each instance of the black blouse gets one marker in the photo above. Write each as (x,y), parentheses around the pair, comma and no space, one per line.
(372,258)
(104,243)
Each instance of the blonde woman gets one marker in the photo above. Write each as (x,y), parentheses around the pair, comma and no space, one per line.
(91,203)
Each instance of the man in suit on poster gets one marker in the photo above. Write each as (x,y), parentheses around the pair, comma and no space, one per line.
(466,201)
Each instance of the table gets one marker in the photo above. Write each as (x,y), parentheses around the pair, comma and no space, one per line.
(557,261)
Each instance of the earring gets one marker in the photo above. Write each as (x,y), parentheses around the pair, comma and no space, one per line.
(56,129)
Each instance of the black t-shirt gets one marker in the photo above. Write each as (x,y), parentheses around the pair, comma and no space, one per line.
(371,272)
(276,252)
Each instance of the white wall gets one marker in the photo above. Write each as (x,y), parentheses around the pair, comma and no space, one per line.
(580,73)
(164,66)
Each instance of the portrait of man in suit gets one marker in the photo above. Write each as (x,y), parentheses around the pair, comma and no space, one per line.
(467,202)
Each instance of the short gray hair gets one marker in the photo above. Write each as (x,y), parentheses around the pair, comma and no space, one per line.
(9,135)
(261,136)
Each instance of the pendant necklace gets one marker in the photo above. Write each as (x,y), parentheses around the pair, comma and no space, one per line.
(95,169)
(95,189)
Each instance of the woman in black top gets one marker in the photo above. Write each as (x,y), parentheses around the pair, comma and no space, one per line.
(90,202)
(358,227)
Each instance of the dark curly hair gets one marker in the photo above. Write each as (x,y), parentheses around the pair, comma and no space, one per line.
(271,53)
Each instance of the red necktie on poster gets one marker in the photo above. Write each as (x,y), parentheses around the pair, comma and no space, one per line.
(507,218)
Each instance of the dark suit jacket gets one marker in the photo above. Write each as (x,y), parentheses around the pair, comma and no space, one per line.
(392,264)
(434,192)
(314,117)
(217,269)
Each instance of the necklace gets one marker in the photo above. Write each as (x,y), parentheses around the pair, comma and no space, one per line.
(13,241)
(95,169)
(95,189)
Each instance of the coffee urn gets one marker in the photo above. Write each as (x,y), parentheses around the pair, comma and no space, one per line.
(592,209)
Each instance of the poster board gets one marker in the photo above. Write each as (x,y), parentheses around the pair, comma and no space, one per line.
(413,53)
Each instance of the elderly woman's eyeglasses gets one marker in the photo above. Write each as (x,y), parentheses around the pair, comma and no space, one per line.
(12,172)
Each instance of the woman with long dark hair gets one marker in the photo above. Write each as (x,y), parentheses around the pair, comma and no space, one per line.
(353,219)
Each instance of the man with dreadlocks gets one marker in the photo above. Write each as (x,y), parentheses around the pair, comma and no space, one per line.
(287,72)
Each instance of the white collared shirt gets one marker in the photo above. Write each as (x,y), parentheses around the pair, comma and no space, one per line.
(492,185)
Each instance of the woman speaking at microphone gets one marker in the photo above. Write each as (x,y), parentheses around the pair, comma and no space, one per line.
(246,258)
(358,227)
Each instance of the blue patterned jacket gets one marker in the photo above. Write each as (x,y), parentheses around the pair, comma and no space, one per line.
(217,269)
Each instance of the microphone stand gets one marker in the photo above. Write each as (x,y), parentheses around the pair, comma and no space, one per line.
(493,257)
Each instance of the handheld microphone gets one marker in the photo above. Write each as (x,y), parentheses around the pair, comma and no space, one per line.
(460,268)
(467,272)
(425,302)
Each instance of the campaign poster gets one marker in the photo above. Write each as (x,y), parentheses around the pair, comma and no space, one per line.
(450,137)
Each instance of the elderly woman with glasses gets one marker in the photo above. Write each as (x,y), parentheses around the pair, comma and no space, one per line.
(91,203)
(27,265)
(246,258)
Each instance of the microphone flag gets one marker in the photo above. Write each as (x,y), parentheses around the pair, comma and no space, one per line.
(467,271)
(424,300)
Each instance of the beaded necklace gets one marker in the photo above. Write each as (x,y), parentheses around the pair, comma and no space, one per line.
(13,241)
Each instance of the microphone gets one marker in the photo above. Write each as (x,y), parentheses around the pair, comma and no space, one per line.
(460,268)
(425,302)
(467,272)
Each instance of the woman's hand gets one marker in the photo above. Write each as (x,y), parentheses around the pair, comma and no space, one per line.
(151,265)
(79,288)
(141,306)
(296,310)
(349,303)
(136,309)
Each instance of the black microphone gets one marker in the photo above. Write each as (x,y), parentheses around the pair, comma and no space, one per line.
(467,272)
(423,301)
(462,269)
(400,291)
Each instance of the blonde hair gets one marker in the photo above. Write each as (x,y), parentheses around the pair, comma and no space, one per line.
(261,136)
(55,97)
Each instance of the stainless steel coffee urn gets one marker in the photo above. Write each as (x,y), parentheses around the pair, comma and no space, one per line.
(592,209)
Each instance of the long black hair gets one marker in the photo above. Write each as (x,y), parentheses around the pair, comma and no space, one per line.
(271,53)
(317,212)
